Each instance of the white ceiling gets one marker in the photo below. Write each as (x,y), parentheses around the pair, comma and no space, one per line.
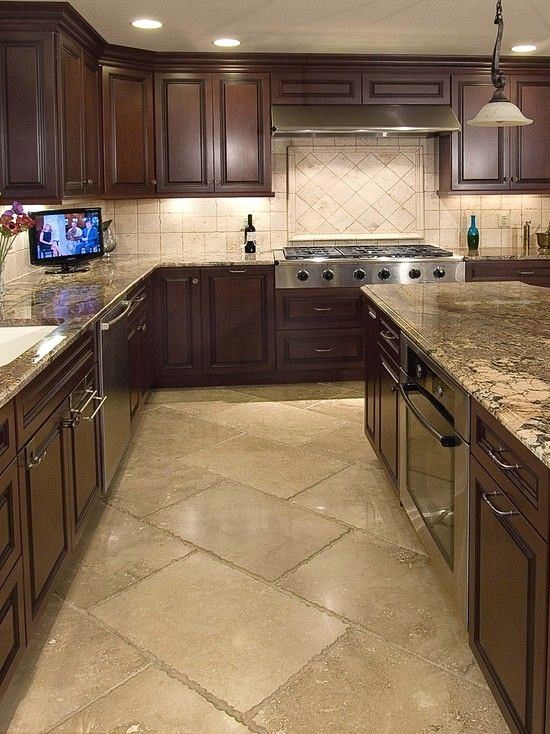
(346,26)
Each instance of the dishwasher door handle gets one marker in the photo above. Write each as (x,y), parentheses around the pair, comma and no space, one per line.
(106,325)
(450,441)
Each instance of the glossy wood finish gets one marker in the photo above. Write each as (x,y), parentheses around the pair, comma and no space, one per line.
(371,372)
(7,435)
(10,527)
(320,349)
(508,602)
(28,127)
(128,132)
(388,423)
(315,86)
(12,624)
(318,308)
(534,272)
(184,133)
(530,156)
(72,118)
(139,349)
(177,322)
(45,485)
(238,319)
(242,133)
(406,87)
(93,154)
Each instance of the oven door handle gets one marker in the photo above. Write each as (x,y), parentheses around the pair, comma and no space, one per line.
(449,441)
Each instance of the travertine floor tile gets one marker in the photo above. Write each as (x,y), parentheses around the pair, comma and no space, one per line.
(305,391)
(390,590)
(363,497)
(348,444)
(267,465)
(72,661)
(235,636)
(152,703)
(174,434)
(261,533)
(364,685)
(348,409)
(199,401)
(116,552)
(351,388)
(147,482)
(277,421)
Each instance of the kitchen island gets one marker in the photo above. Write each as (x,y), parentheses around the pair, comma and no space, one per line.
(490,340)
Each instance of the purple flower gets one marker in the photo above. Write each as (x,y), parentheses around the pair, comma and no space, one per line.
(17,207)
(8,213)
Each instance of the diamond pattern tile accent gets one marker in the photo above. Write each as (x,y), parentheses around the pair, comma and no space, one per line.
(358,192)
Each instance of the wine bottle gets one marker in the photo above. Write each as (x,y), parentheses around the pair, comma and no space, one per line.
(473,235)
(250,236)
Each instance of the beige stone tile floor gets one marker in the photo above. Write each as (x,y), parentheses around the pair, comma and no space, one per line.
(251,570)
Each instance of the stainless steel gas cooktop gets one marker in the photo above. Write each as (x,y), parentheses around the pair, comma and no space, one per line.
(346,265)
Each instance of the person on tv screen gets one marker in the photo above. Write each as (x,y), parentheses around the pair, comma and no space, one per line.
(46,244)
(74,233)
(89,242)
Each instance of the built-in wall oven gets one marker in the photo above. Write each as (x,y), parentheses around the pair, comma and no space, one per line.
(434,457)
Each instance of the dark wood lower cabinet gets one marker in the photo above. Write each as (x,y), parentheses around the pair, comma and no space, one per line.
(12,623)
(10,523)
(508,603)
(388,401)
(139,352)
(533,272)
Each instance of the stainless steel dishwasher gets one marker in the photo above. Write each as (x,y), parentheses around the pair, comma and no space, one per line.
(115,386)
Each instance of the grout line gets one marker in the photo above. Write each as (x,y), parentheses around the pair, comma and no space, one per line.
(329,545)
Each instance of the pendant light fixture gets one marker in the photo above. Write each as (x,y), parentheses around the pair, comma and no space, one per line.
(499,112)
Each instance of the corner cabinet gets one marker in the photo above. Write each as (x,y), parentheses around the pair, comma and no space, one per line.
(242,133)
(128,130)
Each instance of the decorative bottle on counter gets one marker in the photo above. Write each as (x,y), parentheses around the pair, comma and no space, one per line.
(473,235)
(250,237)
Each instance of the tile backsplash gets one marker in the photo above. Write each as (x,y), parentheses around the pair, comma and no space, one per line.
(211,228)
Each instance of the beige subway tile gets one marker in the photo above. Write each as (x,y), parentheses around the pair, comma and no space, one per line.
(449,237)
(125,207)
(431,201)
(148,223)
(171,222)
(149,244)
(205,207)
(449,219)
(126,224)
(148,206)
(490,237)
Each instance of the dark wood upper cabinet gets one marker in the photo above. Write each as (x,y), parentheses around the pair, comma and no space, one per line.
(508,602)
(242,133)
(28,119)
(239,319)
(408,87)
(184,133)
(531,143)
(93,156)
(128,132)
(316,86)
(476,159)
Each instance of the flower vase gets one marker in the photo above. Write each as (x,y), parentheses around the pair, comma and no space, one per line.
(2,274)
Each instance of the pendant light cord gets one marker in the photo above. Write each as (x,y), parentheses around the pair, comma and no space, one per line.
(498,78)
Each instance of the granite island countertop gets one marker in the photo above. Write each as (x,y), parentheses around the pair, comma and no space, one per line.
(74,302)
(492,338)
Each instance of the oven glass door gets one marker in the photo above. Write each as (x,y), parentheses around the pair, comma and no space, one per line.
(431,470)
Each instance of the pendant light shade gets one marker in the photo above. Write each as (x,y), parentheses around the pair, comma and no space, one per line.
(499,112)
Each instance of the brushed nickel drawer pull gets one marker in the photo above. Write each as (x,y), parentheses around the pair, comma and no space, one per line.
(317,308)
(498,462)
(91,395)
(372,314)
(389,336)
(324,351)
(526,272)
(96,411)
(37,459)
(501,513)
(238,271)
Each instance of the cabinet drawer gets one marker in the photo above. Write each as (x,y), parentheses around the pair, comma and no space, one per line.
(406,88)
(10,521)
(318,309)
(389,337)
(320,349)
(12,624)
(528,271)
(7,435)
(518,472)
(315,87)
(37,401)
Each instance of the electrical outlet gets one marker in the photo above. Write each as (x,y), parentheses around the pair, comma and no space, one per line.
(503,220)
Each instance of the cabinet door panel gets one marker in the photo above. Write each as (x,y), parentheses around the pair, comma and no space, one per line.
(371,373)
(10,529)
(91,83)
(388,414)
(315,87)
(28,135)
(72,101)
(177,319)
(531,143)
(242,133)
(508,602)
(12,624)
(239,310)
(395,87)
(184,133)
(128,130)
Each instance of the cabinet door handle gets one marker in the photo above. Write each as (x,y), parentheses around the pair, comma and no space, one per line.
(317,308)
(324,351)
(498,462)
(195,281)
(238,271)
(501,513)
(372,314)
(388,336)
(96,411)
(38,458)
(91,395)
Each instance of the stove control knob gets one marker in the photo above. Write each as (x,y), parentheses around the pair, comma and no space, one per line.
(302,275)
(384,274)
(327,275)
(415,273)
(359,274)
(439,273)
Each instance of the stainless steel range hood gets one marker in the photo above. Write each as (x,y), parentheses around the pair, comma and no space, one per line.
(353,119)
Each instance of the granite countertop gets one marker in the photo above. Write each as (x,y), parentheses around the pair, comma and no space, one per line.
(492,338)
(73,302)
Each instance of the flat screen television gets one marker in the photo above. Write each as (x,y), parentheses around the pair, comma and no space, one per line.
(66,238)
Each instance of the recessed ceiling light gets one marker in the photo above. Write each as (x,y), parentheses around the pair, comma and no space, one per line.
(524,48)
(226,42)
(147,23)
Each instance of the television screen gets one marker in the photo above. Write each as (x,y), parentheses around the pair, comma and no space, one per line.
(65,236)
